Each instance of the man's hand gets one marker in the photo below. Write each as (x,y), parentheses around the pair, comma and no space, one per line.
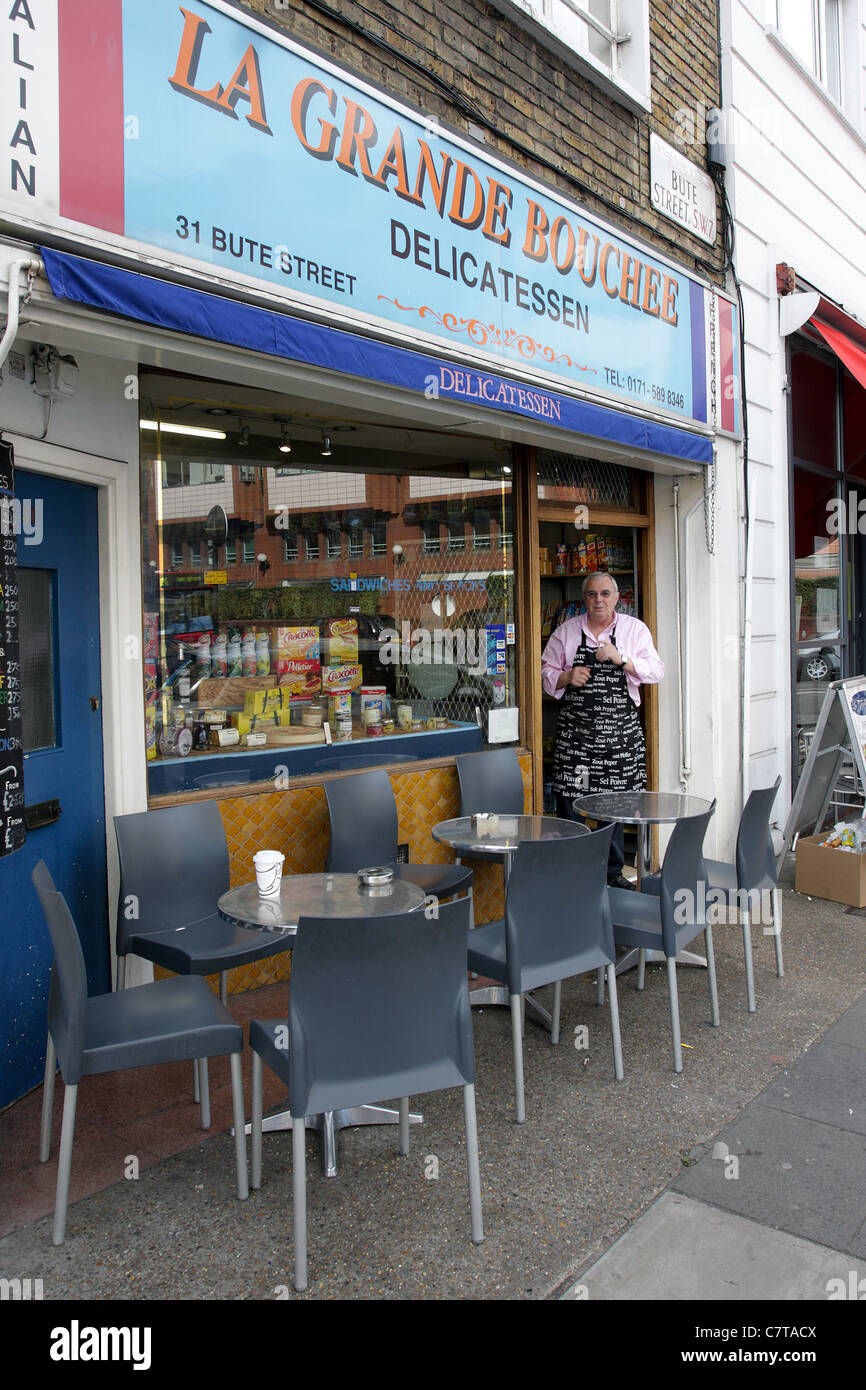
(577,676)
(606,651)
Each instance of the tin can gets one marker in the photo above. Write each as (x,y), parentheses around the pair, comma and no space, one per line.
(374,730)
(404,716)
(387,726)
(343,730)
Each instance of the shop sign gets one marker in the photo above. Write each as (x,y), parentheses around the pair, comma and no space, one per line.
(682,192)
(216,145)
(215,577)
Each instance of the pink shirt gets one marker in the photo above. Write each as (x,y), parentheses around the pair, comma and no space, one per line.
(633,640)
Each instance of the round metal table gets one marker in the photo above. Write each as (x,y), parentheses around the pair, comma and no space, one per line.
(321,895)
(499,837)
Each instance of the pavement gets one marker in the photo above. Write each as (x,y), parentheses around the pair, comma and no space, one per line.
(741,1178)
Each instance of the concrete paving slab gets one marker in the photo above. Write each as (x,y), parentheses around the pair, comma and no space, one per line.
(793,1174)
(681,1249)
(828,1083)
(850,1029)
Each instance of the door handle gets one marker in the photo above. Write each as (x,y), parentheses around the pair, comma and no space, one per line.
(94,703)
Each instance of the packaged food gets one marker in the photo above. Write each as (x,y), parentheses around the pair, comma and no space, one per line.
(297,644)
(340,706)
(301,679)
(374,697)
(263,654)
(404,716)
(341,635)
(348,676)
(561,562)
(261,701)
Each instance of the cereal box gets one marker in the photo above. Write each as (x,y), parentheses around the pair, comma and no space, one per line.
(342,640)
(348,676)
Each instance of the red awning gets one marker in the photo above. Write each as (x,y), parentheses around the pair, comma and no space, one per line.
(850,353)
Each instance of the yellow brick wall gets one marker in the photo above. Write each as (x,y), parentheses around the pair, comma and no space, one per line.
(296,822)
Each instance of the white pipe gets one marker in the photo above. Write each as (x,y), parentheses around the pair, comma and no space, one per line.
(10,332)
(685,680)
(679,624)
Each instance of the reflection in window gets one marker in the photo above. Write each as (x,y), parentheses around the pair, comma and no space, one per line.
(38,694)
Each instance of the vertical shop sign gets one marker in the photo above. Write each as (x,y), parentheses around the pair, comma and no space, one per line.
(11,764)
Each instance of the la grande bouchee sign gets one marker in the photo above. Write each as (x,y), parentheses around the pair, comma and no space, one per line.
(218,144)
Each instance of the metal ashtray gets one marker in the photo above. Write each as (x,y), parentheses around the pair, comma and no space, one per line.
(380,877)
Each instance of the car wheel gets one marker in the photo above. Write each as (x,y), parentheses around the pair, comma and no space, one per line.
(817,668)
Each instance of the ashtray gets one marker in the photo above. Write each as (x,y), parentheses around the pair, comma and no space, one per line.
(376,877)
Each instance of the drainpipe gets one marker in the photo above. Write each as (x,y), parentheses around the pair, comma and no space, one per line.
(16,265)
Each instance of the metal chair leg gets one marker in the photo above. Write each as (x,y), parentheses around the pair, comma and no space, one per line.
(614,1023)
(777,932)
(472,1164)
(403,1111)
(120,973)
(517,1051)
(641,968)
(555,1012)
(745,918)
(674,999)
(256,1124)
(64,1164)
(240,1134)
(599,982)
(196,1088)
(47,1101)
(299,1192)
(204,1089)
(224,987)
(711,975)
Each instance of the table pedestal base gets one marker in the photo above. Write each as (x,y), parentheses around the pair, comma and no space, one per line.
(630,960)
(497,997)
(329,1125)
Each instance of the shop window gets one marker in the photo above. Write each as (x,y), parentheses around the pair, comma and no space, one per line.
(853,426)
(606,40)
(566,478)
(177,555)
(191,472)
(39,714)
(195,554)
(394,650)
(813,409)
(456,534)
(431,536)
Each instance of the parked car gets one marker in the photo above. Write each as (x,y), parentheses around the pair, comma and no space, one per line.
(820,662)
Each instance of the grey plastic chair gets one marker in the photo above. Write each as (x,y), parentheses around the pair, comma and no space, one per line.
(378,1008)
(557,924)
(754,872)
(490,781)
(364,832)
(174,866)
(671,919)
(175,1020)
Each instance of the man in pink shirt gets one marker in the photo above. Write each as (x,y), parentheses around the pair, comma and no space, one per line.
(594,665)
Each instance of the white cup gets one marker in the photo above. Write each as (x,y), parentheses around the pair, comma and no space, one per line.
(269,870)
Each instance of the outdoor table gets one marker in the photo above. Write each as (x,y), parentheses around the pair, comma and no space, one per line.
(321,895)
(500,838)
(643,809)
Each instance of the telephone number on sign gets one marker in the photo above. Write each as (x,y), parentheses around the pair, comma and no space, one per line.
(665,396)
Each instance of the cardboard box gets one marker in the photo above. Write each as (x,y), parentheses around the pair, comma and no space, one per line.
(836,874)
(342,639)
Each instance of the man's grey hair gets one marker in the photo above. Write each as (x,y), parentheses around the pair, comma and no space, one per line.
(599,574)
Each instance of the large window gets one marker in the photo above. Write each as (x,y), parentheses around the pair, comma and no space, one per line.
(607,40)
(812,29)
(392,646)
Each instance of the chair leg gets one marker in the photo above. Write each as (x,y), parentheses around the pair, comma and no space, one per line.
(47,1101)
(224,987)
(204,1088)
(517,1051)
(641,967)
(777,932)
(674,999)
(711,974)
(599,982)
(64,1164)
(196,1089)
(256,1124)
(522,1016)
(555,1012)
(746,920)
(403,1109)
(299,1192)
(472,1164)
(614,1023)
(120,973)
(240,1135)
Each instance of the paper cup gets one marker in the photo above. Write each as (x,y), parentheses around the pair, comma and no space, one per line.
(269,870)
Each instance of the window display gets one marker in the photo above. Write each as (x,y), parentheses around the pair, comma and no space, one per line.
(312,617)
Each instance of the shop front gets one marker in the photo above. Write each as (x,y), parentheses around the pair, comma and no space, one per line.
(351,442)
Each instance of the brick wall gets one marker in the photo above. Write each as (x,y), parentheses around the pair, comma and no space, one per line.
(528,106)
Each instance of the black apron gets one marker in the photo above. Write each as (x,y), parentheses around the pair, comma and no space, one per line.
(599,741)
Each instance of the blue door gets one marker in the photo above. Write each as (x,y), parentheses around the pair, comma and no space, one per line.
(62,739)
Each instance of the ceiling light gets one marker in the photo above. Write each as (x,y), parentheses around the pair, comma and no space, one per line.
(285,442)
(216,410)
(198,430)
(326,446)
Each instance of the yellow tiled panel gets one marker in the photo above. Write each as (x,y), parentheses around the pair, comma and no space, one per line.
(296,822)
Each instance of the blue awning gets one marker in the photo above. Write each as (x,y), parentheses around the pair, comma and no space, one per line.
(149,299)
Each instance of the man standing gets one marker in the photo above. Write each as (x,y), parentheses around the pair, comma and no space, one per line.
(594,665)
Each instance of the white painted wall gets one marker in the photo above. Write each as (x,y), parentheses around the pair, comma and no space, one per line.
(797,185)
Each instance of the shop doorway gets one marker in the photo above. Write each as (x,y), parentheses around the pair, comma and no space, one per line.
(58,578)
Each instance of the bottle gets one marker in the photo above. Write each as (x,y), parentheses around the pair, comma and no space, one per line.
(248,653)
(263,654)
(234,654)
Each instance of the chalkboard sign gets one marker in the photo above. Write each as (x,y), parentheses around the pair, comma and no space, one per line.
(839,740)
(11,756)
